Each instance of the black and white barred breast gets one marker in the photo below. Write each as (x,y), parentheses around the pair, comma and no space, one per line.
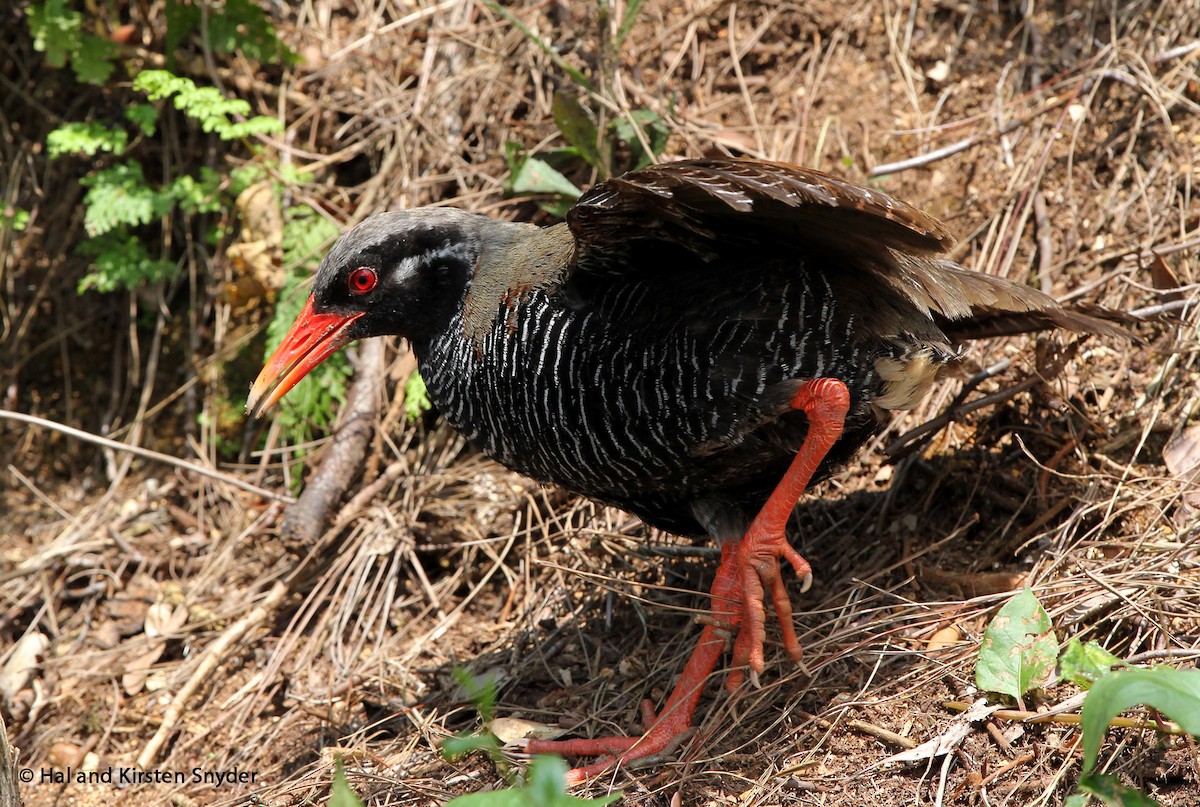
(652,404)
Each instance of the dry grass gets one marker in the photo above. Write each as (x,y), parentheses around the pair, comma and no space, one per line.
(1060,147)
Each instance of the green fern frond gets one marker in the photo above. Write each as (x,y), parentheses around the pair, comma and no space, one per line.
(120,196)
(58,32)
(87,139)
(207,105)
(120,261)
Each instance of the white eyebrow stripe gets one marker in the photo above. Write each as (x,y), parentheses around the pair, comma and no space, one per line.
(406,269)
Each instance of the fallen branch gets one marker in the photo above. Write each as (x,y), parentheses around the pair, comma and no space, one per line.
(305,520)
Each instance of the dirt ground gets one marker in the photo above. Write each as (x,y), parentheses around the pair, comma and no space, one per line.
(1060,143)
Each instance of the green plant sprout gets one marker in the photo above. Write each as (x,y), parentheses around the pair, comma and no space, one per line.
(544,784)
(1018,657)
(629,141)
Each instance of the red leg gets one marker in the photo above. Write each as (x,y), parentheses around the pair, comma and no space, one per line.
(667,727)
(749,569)
(825,401)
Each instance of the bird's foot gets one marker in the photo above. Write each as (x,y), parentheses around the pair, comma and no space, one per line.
(825,402)
(660,740)
(757,570)
(663,731)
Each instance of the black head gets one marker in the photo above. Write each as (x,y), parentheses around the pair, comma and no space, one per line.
(402,273)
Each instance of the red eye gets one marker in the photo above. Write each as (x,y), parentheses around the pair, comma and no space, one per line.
(362,280)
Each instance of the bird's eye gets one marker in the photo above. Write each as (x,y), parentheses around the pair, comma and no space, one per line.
(362,280)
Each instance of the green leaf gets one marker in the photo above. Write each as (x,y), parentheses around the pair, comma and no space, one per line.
(576,126)
(92,61)
(534,176)
(480,689)
(416,397)
(653,128)
(557,207)
(198,195)
(238,25)
(143,116)
(455,747)
(56,31)
(1109,790)
(291,174)
(86,139)
(1076,800)
(159,84)
(514,155)
(547,780)
(252,126)
(119,195)
(306,234)
(508,797)
(1084,664)
(1018,648)
(206,105)
(341,794)
(545,786)
(13,218)
(246,175)
(1175,693)
(120,261)
(243,26)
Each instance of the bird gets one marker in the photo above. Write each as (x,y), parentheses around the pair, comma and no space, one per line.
(698,343)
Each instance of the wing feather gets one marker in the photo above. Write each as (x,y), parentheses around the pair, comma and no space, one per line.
(737,212)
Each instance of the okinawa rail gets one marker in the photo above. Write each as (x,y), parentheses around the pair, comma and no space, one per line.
(696,344)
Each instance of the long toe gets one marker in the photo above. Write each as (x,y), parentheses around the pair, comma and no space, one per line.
(611,751)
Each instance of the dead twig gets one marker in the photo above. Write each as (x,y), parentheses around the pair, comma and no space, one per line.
(958,408)
(881,733)
(145,453)
(1024,716)
(931,157)
(305,519)
(1024,759)
(214,654)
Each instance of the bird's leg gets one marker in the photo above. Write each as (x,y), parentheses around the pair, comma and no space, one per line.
(749,568)
(825,401)
(664,729)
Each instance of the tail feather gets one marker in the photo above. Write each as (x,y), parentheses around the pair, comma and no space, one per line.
(1000,307)
(984,323)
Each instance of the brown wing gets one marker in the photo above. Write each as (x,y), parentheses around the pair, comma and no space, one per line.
(728,210)
(710,207)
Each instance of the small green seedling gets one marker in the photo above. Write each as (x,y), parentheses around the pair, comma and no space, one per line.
(544,783)
(1017,657)
(1019,649)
